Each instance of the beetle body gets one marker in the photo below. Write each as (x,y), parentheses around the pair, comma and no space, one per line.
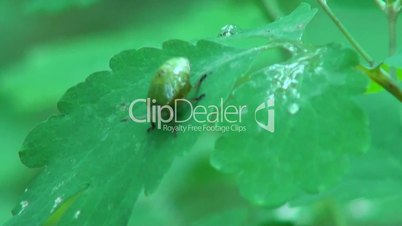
(171,82)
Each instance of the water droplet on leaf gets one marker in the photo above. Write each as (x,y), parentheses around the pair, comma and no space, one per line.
(228,30)
(293,108)
(77,214)
(23,205)
(56,203)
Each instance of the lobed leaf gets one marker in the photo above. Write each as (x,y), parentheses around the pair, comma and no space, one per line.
(95,166)
(315,119)
(290,27)
(87,150)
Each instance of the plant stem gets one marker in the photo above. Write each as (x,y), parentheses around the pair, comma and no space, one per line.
(392,41)
(346,33)
(380,77)
(392,11)
(374,71)
(271,9)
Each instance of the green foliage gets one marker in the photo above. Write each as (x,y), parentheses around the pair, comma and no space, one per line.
(311,144)
(114,157)
(395,61)
(375,176)
(290,27)
(95,166)
(106,155)
(67,62)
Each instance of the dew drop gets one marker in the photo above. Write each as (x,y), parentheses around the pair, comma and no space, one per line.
(56,203)
(300,26)
(23,205)
(293,108)
(295,93)
(77,214)
(55,188)
(287,83)
(228,30)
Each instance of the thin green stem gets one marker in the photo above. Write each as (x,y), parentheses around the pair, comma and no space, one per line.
(374,71)
(346,33)
(392,41)
(382,78)
(271,9)
(392,11)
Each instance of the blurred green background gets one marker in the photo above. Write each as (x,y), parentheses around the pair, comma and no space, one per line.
(48,46)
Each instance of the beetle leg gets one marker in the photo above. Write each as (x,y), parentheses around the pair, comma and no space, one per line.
(198,85)
(197,99)
(197,89)
(152,127)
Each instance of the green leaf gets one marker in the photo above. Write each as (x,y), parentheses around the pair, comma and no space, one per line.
(94,165)
(377,174)
(395,61)
(287,28)
(64,63)
(88,150)
(315,118)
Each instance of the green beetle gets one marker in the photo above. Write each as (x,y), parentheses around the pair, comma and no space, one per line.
(172,82)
